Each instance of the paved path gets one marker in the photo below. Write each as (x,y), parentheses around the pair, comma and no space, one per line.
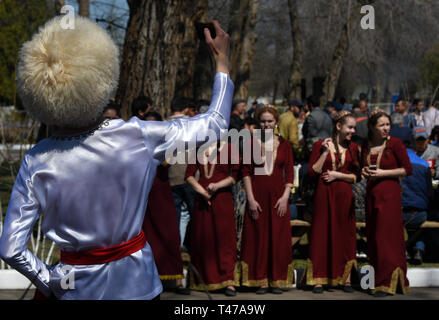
(293,294)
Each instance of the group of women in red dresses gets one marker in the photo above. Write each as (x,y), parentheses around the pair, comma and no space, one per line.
(336,162)
(266,260)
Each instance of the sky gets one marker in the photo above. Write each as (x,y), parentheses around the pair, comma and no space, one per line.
(101,9)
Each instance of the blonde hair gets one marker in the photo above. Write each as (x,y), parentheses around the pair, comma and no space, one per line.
(67,76)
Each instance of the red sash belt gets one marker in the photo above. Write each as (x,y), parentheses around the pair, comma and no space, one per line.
(104,255)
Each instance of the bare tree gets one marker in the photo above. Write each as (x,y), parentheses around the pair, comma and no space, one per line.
(195,11)
(295,79)
(151,53)
(84,8)
(335,68)
(243,38)
(58,5)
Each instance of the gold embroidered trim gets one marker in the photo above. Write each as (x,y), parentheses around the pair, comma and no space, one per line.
(265,282)
(310,280)
(209,173)
(397,274)
(380,153)
(171,277)
(216,286)
(275,147)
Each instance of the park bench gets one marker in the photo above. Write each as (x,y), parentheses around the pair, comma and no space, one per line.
(425,225)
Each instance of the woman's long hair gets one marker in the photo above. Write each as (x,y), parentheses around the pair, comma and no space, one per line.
(341,118)
(371,124)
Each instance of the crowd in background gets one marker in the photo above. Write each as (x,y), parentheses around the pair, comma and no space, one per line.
(301,127)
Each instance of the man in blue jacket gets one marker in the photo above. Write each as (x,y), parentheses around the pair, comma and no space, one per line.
(416,194)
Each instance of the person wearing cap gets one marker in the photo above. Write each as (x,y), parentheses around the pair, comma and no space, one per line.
(91,179)
(238,110)
(426,151)
(288,125)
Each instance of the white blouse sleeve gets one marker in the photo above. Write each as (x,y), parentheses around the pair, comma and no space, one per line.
(163,136)
(23,211)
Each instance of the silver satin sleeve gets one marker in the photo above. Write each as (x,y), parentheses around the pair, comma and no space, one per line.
(161,136)
(93,193)
(22,214)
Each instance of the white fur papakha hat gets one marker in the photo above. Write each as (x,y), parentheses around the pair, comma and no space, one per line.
(67,76)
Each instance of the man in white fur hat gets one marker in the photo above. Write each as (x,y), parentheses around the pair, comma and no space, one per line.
(91,178)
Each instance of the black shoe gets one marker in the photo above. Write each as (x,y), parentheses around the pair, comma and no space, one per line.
(183,290)
(380,294)
(262,290)
(348,289)
(417,258)
(276,290)
(230,292)
(317,289)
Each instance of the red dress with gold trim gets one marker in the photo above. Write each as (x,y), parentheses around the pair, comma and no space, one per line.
(266,255)
(161,227)
(384,225)
(213,228)
(332,251)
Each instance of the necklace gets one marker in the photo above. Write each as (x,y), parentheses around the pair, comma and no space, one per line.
(273,157)
(79,136)
(380,153)
(209,173)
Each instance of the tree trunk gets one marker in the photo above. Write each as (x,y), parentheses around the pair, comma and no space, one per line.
(58,5)
(193,12)
(150,59)
(334,71)
(295,79)
(84,8)
(243,38)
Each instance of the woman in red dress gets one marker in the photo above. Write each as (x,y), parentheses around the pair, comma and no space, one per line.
(335,162)
(384,161)
(213,230)
(266,253)
(160,226)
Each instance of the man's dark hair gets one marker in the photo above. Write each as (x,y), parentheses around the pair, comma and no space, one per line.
(236,102)
(312,101)
(140,103)
(178,104)
(154,115)
(342,100)
(113,105)
(416,101)
(363,96)
(201,103)
(249,121)
(398,100)
(434,133)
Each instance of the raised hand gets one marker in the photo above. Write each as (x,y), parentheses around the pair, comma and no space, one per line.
(219,47)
